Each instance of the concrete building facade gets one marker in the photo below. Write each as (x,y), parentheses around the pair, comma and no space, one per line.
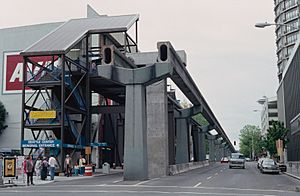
(288,93)
(269,113)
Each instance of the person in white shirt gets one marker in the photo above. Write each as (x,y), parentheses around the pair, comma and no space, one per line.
(81,164)
(52,163)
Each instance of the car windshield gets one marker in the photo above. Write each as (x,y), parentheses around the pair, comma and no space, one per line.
(237,156)
(269,162)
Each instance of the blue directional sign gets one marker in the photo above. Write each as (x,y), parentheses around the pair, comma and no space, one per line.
(41,143)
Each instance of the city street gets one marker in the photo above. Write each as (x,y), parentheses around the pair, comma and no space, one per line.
(216,179)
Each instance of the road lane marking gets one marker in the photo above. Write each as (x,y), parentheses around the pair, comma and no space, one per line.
(130,191)
(216,174)
(156,186)
(143,182)
(197,184)
(221,170)
(209,177)
(118,181)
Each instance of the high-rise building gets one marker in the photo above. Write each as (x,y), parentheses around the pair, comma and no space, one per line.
(287,16)
(269,113)
(288,93)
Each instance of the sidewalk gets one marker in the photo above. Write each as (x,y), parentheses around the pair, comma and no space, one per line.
(293,170)
(21,181)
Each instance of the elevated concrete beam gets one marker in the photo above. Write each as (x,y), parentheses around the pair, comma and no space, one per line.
(184,81)
(189,112)
(144,76)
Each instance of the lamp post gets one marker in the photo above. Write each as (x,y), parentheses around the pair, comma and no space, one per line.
(266,24)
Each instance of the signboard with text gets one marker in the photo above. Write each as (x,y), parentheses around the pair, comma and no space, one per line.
(9,167)
(41,143)
(13,71)
(50,114)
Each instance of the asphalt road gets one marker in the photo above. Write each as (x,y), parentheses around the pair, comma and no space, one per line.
(216,179)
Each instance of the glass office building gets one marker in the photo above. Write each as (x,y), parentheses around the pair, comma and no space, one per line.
(287,15)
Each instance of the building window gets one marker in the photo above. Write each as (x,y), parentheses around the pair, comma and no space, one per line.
(290,3)
(291,38)
(291,14)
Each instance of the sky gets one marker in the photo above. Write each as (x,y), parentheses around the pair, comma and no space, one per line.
(232,62)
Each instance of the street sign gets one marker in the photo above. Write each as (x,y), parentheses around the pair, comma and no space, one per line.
(42,114)
(9,167)
(88,150)
(41,143)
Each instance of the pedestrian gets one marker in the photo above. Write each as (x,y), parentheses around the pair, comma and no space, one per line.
(52,165)
(38,167)
(29,170)
(76,169)
(81,164)
(44,170)
(68,165)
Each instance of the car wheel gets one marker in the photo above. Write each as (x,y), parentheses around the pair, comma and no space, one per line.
(230,167)
(243,167)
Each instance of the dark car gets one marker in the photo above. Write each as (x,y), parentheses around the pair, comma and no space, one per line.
(269,166)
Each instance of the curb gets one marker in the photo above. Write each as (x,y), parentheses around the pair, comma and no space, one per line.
(291,175)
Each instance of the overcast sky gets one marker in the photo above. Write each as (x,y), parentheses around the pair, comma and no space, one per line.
(233,63)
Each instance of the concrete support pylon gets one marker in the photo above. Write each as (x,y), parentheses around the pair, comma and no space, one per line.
(211,141)
(218,150)
(157,131)
(135,149)
(199,144)
(182,144)
(202,149)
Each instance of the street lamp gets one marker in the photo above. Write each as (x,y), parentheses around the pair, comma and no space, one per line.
(266,24)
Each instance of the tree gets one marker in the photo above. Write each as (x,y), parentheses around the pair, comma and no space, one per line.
(275,132)
(2,117)
(250,139)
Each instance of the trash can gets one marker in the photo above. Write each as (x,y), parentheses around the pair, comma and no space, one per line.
(105,168)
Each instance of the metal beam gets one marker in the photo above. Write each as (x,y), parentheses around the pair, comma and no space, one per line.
(102,109)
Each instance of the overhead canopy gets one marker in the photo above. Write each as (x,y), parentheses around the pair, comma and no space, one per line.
(62,39)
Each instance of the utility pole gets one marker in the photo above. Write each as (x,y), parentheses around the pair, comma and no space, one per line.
(252,146)
(1,171)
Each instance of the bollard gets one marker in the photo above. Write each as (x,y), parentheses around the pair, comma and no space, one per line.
(88,170)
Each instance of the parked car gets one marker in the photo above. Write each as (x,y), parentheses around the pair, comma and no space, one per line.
(224,160)
(269,166)
(259,162)
(247,159)
(282,167)
(237,160)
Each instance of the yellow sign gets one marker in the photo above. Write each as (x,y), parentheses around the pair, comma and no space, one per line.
(88,150)
(42,114)
(9,167)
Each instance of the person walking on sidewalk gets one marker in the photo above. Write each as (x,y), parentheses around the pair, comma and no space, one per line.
(52,164)
(38,167)
(44,170)
(81,164)
(29,170)
(68,165)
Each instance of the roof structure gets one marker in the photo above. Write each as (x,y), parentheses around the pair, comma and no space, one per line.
(63,38)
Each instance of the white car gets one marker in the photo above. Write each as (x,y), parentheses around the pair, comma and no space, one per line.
(237,160)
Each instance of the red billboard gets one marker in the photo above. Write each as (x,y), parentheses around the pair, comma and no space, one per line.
(13,71)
